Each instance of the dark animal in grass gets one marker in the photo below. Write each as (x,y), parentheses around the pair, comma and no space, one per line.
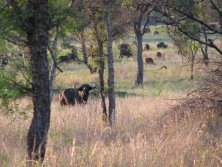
(77,95)
(156,32)
(64,59)
(159,55)
(73,55)
(125,50)
(126,53)
(146,47)
(146,29)
(149,60)
(161,45)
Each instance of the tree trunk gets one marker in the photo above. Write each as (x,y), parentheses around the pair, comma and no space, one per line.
(53,67)
(205,55)
(37,36)
(101,69)
(192,66)
(111,86)
(139,78)
(102,84)
(205,49)
(85,56)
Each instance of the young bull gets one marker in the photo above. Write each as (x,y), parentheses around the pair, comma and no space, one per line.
(79,94)
(149,60)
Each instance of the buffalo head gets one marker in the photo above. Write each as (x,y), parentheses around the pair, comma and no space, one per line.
(83,91)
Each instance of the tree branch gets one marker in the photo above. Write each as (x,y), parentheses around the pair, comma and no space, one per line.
(210,44)
(54,58)
(195,19)
(22,88)
(216,7)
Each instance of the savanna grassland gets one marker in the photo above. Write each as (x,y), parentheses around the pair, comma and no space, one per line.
(148,132)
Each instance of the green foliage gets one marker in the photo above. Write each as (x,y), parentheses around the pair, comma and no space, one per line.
(191,28)
(94,59)
(195,46)
(14,81)
(126,3)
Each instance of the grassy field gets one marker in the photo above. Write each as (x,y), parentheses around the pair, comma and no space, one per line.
(141,137)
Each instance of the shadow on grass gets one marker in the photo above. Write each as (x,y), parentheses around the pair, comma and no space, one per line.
(124,94)
(175,84)
(180,84)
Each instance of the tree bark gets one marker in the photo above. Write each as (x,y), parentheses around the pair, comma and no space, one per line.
(101,69)
(53,67)
(143,11)
(139,78)
(111,81)
(37,36)
(192,65)
(205,49)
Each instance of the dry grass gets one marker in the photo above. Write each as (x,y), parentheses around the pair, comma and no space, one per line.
(78,137)
(148,131)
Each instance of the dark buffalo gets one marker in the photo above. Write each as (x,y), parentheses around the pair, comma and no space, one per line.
(156,32)
(146,47)
(124,46)
(127,53)
(146,29)
(79,94)
(159,55)
(70,57)
(73,55)
(64,59)
(149,60)
(125,50)
(161,45)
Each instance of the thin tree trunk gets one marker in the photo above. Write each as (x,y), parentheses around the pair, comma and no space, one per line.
(101,70)
(111,86)
(205,54)
(139,78)
(53,67)
(37,37)
(205,49)
(192,65)
(102,85)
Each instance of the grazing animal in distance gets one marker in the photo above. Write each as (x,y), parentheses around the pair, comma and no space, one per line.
(149,60)
(146,47)
(70,57)
(127,53)
(125,50)
(78,94)
(156,32)
(161,45)
(146,29)
(73,55)
(159,55)
(64,59)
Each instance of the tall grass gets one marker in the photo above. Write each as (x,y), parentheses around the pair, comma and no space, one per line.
(78,137)
(147,131)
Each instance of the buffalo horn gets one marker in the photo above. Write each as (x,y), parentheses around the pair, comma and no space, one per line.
(93,84)
(77,86)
